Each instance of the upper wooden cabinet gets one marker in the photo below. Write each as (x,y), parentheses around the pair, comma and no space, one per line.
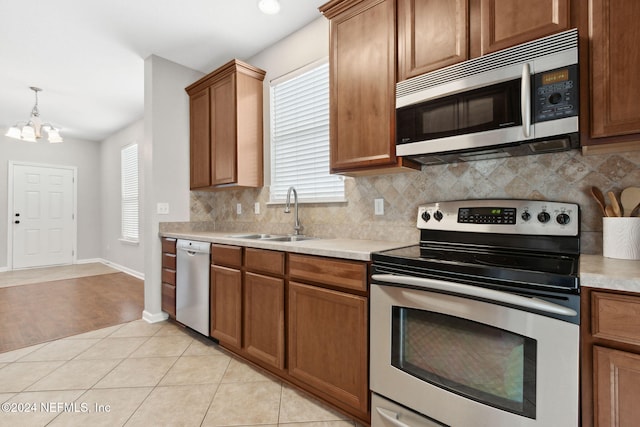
(226,127)
(505,23)
(362,85)
(609,59)
(436,33)
(431,34)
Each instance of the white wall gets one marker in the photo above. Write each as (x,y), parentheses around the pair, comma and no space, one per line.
(301,48)
(126,256)
(85,156)
(165,155)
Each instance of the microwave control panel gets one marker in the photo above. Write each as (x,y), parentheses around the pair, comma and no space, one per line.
(555,94)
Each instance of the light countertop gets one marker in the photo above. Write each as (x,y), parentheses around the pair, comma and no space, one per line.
(354,249)
(597,271)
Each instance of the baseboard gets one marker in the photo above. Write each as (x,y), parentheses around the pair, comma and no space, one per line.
(154,318)
(3,269)
(122,268)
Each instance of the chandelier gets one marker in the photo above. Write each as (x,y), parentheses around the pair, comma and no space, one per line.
(32,130)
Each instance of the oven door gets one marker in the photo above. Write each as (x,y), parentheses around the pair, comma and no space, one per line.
(468,363)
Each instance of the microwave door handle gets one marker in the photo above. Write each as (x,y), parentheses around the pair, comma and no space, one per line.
(525,100)
(476,292)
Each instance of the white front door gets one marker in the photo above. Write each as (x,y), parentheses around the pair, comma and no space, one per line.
(43,215)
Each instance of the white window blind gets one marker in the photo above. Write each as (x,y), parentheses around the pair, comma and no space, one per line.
(129,191)
(300,137)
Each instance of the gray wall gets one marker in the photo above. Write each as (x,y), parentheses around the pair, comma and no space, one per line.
(85,156)
(126,256)
(165,155)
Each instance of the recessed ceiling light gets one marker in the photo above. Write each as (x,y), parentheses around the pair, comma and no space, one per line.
(270,7)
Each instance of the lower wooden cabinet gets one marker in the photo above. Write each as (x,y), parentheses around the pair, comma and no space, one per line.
(168,276)
(328,342)
(610,358)
(264,318)
(226,305)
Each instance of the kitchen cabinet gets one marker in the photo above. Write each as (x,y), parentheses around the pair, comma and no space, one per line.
(362,87)
(226,295)
(610,339)
(168,276)
(264,290)
(225,110)
(328,329)
(610,89)
(433,34)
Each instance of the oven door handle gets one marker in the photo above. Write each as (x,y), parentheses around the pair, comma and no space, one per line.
(476,292)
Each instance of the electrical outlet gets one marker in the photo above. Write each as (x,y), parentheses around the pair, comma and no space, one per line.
(378,206)
(256,208)
(239,208)
(162,208)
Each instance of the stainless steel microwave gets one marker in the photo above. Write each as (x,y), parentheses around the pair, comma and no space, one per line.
(517,101)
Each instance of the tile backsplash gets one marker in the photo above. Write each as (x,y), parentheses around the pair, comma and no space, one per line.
(566,176)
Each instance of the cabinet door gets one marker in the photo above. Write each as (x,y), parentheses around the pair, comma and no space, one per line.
(223,131)
(615,60)
(616,387)
(362,76)
(199,154)
(431,34)
(506,23)
(264,318)
(226,305)
(328,347)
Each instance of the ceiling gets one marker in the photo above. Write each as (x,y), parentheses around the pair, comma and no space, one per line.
(88,55)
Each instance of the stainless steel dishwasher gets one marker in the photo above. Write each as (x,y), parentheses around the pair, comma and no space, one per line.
(192,284)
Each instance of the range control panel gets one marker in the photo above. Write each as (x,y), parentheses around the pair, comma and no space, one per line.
(502,216)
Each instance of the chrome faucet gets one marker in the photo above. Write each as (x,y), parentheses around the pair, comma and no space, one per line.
(296,226)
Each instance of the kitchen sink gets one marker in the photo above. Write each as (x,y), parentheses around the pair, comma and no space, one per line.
(272,237)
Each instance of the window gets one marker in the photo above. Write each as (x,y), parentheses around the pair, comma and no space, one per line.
(300,136)
(129,192)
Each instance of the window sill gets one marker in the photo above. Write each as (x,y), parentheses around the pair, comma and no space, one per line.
(129,242)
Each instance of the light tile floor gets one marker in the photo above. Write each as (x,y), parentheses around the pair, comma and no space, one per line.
(141,374)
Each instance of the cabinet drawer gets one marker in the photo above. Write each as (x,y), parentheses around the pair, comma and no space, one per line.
(330,271)
(169,299)
(226,255)
(169,276)
(615,317)
(169,261)
(264,261)
(169,245)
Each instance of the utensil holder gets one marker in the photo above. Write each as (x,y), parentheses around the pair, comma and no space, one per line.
(621,237)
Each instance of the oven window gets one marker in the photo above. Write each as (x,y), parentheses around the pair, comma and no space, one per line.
(478,361)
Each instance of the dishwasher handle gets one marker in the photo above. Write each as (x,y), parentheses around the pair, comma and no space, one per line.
(192,247)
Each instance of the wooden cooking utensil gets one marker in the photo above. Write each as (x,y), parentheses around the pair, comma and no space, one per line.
(608,211)
(635,211)
(614,203)
(629,198)
(597,194)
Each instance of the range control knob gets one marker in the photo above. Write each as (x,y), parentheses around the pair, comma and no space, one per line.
(438,215)
(563,219)
(425,216)
(526,216)
(544,217)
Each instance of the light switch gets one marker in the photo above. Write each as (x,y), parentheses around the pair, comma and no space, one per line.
(239,208)
(378,206)
(256,208)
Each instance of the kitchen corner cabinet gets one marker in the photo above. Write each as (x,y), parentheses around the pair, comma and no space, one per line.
(610,339)
(433,34)
(328,329)
(225,109)
(610,89)
(226,295)
(168,276)
(362,58)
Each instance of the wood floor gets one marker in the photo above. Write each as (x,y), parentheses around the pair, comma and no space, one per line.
(36,313)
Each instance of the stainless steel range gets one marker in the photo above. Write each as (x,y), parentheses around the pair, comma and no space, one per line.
(478,325)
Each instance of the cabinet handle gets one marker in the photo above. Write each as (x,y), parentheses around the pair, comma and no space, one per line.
(392,417)
(525,100)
